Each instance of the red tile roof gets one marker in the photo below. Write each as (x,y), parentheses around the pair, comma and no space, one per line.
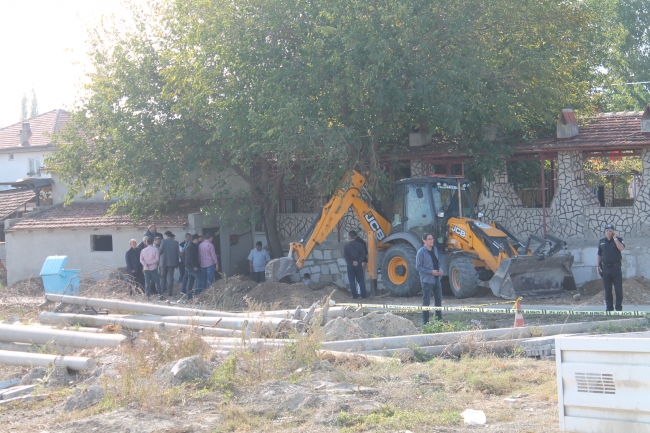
(13,199)
(41,126)
(79,215)
(605,131)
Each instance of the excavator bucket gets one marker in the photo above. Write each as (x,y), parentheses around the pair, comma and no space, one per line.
(277,269)
(533,275)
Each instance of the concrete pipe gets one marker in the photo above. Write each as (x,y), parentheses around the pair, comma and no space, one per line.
(443,339)
(35,335)
(19,347)
(369,344)
(497,346)
(224,322)
(136,307)
(142,325)
(42,360)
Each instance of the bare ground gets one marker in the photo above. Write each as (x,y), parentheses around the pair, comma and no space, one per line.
(306,393)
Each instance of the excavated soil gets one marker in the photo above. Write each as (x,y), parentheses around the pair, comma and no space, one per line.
(232,294)
(636,291)
(375,324)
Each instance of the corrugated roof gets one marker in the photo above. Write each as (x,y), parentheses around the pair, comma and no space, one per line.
(13,199)
(80,215)
(41,126)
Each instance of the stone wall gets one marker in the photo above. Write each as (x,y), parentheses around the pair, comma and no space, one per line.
(293,225)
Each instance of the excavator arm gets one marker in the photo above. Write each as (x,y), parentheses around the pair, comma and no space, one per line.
(346,196)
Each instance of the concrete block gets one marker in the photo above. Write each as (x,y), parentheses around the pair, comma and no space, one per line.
(343,269)
(341,262)
(337,254)
(327,254)
(16,391)
(643,265)
(318,254)
(316,277)
(628,266)
(326,278)
(582,274)
(589,256)
(577,255)
(325,269)
(314,270)
(308,263)
(334,269)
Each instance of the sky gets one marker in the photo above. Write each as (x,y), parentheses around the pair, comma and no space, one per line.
(43,46)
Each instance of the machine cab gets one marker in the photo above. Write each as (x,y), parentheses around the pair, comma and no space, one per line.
(422,205)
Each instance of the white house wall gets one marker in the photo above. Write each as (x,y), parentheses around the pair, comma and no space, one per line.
(26,250)
(11,171)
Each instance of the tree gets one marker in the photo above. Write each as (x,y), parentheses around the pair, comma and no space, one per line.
(626,83)
(270,89)
(23,108)
(34,107)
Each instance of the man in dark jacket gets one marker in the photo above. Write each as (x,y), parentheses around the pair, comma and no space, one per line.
(168,262)
(133,265)
(358,238)
(192,266)
(150,233)
(428,264)
(181,251)
(354,255)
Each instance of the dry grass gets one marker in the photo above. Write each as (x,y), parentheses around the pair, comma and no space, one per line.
(138,381)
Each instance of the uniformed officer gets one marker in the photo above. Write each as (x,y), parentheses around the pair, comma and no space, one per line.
(609,267)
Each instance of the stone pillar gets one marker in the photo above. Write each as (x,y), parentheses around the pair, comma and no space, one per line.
(571,198)
(418,168)
(642,201)
(496,197)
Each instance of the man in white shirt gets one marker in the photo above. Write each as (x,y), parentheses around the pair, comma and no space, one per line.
(150,258)
(257,260)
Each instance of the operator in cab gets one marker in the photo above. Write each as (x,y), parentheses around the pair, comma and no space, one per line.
(609,267)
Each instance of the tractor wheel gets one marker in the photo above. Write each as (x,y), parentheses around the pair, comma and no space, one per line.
(398,271)
(463,277)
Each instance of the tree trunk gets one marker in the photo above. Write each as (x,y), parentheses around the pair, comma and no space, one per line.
(271,224)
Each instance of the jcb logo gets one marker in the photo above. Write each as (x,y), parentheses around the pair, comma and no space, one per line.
(374,225)
(460,232)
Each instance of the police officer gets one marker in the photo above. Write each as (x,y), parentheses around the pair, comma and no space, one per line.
(609,267)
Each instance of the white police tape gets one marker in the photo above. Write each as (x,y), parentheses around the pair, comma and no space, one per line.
(416,308)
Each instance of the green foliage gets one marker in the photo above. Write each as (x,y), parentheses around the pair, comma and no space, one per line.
(196,91)
(23,108)
(439,326)
(613,174)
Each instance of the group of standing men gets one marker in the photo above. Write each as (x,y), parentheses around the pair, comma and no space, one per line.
(152,263)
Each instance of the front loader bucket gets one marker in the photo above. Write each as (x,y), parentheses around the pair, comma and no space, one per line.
(534,276)
(277,269)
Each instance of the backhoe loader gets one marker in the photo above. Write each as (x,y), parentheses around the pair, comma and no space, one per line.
(470,250)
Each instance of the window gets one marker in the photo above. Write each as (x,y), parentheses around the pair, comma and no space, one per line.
(34,166)
(289,205)
(11,157)
(101,243)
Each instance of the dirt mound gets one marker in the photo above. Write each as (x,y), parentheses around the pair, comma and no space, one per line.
(228,294)
(636,291)
(342,328)
(385,325)
(29,287)
(375,324)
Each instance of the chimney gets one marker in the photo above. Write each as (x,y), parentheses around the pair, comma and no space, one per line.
(419,136)
(567,126)
(645,121)
(25,134)
(490,133)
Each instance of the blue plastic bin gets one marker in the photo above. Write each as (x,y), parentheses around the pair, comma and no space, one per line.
(58,280)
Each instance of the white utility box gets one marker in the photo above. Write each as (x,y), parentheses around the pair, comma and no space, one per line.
(604,383)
